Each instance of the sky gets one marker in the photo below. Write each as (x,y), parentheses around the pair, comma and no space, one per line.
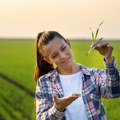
(71,18)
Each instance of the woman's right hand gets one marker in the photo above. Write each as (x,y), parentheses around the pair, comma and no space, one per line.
(61,103)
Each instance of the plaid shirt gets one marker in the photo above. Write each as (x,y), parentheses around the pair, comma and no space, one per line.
(96,83)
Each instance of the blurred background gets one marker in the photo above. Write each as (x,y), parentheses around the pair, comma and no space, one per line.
(22,20)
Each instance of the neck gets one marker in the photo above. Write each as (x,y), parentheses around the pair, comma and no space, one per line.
(69,70)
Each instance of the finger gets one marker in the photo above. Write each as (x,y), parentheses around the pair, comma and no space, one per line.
(103,46)
(99,44)
(76,94)
(105,49)
(95,44)
(71,97)
(55,98)
(108,45)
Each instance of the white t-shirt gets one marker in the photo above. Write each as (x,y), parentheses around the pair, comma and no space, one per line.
(73,84)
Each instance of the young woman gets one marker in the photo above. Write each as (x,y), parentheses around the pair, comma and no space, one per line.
(67,90)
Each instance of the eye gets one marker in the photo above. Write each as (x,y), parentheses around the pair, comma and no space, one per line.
(54,56)
(63,48)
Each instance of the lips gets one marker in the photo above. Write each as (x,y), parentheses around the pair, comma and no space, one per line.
(66,61)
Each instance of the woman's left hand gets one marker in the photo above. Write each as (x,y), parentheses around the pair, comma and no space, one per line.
(104,48)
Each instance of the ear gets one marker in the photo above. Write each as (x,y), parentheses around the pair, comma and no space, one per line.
(68,43)
(48,60)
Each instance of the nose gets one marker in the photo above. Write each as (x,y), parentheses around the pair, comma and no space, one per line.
(62,56)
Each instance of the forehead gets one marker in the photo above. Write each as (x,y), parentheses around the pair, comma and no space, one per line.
(53,46)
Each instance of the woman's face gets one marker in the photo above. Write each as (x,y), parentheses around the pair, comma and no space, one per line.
(58,52)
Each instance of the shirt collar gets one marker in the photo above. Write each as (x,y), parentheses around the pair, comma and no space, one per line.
(85,70)
(53,74)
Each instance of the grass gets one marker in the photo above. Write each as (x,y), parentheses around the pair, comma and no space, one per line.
(17,60)
(16,102)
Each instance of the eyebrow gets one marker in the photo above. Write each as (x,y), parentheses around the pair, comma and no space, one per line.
(56,52)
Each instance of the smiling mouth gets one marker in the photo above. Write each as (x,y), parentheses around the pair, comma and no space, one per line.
(66,61)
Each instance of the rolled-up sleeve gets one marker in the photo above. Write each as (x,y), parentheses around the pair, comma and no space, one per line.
(109,80)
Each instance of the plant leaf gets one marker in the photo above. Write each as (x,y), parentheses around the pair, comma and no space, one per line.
(96,33)
(92,36)
(89,51)
(101,23)
(100,39)
(98,30)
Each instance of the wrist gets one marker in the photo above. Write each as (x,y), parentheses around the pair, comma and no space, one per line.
(56,113)
(59,108)
(108,59)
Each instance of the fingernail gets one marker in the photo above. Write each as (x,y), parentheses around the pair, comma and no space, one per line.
(98,45)
(93,47)
(79,95)
(76,96)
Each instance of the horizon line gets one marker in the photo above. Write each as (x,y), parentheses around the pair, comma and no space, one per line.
(30,38)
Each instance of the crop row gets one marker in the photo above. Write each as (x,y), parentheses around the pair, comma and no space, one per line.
(15,102)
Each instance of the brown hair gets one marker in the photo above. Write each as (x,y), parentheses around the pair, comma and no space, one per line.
(42,67)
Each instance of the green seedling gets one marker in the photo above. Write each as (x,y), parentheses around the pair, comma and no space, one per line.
(94,38)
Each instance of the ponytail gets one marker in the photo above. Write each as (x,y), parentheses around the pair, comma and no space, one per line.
(42,67)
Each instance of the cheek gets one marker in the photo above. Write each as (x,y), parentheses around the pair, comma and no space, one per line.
(56,61)
(69,52)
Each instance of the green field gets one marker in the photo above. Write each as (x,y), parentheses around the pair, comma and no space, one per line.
(17,85)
